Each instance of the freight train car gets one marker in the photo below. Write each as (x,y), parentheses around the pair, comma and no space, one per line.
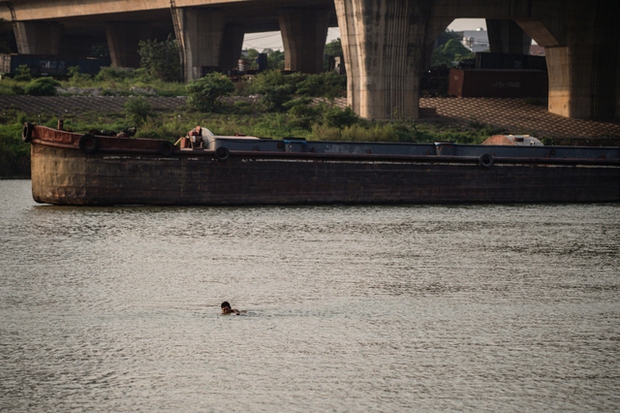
(48,65)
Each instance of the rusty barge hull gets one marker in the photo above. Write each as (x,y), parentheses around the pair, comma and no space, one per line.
(133,171)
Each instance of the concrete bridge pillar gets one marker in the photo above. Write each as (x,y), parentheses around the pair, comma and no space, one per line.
(304,32)
(37,38)
(123,39)
(386,45)
(232,44)
(506,36)
(203,33)
(582,45)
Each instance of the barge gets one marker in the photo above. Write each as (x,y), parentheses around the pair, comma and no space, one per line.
(89,169)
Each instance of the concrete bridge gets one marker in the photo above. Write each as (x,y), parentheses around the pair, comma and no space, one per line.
(386,43)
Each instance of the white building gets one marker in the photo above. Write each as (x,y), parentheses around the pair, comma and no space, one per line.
(476,40)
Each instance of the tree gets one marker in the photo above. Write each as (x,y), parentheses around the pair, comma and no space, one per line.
(275,59)
(447,35)
(334,48)
(22,73)
(449,53)
(161,59)
(250,59)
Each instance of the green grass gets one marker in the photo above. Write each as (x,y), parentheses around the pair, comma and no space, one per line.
(109,82)
(295,117)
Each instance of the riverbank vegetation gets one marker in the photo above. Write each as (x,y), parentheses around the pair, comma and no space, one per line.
(281,110)
(269,104)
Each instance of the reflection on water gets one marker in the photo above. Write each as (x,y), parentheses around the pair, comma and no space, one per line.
(375,308)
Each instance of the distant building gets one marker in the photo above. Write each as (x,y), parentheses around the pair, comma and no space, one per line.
(476,40)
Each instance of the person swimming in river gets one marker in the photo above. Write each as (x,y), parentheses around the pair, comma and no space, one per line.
(226,309)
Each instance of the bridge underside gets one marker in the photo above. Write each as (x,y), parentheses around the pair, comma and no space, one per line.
(212,34)
(386,43)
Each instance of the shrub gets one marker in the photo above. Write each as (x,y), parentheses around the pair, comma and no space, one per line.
(276,96)
(275,88)
(114,74)
(43,86)
(22,73)
(14,153)
(374,133)
(161,59)
(77,78)
(325,133)
(329,84)
(302,113)
(402,132)
(340,118)
(205,93)
(11,87)
(138,110)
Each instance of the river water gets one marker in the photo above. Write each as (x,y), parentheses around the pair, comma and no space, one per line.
(348,309)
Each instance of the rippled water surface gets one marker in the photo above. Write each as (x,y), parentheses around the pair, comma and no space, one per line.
(349,309)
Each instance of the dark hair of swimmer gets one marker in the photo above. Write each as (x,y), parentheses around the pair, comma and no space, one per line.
(227,310)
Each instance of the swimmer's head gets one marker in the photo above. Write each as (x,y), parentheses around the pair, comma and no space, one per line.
(226,307)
